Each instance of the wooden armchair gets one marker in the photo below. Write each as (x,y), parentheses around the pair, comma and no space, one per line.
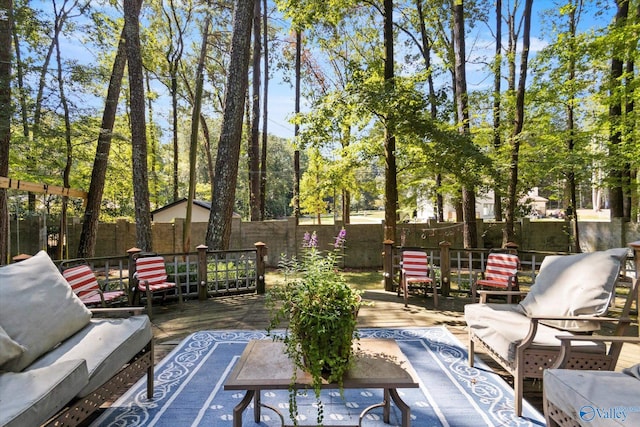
(570,298)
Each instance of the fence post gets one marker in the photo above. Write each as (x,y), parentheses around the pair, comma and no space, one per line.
(132,264)
(261,262)
(202,272)
(387,265)
(445,268)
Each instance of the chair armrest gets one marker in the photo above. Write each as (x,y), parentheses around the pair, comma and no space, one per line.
(117,311)
(533,325)
(589,318)
(565,350)
(566,340)
(484,294)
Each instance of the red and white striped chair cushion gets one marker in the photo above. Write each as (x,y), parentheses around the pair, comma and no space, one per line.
(82,281)
(152,270)
(415,266)
(86,287)
(499,270)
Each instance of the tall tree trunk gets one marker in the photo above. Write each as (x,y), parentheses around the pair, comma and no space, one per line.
(144,239)
(616,192)
(254,137)
(426,54)
(173,55)
(497,96)
(193,144)
(296,131)
(571,175)
(509,230)
(22,93)
(224,185)
(265,99)
(87,245)
(390,181)
(69,149)
(6,29)
(346,194)
(462,102)
(153,143)
(176,150)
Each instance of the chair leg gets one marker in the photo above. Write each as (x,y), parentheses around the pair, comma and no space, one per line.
(471,351)
(518,385)
(150,371)
(405,292)
(435,293)
(149,301)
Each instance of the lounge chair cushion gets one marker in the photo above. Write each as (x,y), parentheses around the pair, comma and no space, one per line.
(634,371)
(594,398)
(502,327)
(9,349)
(106,345)
(574,285)
(27,398)
(38,309)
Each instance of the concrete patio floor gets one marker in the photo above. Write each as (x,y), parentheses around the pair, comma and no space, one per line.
(171,323)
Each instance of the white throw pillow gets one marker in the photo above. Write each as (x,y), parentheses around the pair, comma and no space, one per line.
(574,285)
(9,349)
(38,308)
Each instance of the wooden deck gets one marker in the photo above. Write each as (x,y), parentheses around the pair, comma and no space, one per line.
(171,324)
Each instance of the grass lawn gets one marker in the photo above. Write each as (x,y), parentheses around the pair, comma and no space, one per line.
(359,279)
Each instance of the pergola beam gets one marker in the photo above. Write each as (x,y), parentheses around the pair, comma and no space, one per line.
(31,187)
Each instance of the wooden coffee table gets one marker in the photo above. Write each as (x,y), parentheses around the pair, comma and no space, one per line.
(379,363)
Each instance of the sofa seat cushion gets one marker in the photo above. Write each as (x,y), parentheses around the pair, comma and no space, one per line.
(106,345)
(574,285)
(38,309)
(31,397)
(502,327)
(594,398)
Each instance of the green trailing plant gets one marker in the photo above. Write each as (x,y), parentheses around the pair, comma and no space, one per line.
(320,308)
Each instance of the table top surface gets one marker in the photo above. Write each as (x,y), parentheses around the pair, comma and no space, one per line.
(379,363)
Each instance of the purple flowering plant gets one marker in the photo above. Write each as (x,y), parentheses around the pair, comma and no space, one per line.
(319,309)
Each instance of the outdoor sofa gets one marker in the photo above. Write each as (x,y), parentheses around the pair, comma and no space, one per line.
(58,360)
(569,299)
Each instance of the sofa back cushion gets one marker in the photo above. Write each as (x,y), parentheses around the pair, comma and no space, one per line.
(574,285)
(38,309)
(9,349)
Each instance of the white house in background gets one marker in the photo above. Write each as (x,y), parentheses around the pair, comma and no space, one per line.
(484,206)
(178,209)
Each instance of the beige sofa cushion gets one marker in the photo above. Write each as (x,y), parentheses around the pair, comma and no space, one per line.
(594,398)
(38,309)
(31,397)
(9,349)
(105,344)
(502,327)
(574,285)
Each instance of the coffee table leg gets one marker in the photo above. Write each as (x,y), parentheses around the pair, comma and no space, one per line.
(404,408)
(386,409)
(240,407)
(256,406)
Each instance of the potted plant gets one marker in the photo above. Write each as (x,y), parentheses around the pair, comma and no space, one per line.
(321,309)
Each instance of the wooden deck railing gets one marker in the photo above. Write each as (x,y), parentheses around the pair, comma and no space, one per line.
(201,274)
(456,268)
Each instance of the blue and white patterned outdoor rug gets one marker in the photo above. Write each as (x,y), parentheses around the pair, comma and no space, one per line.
(189,388)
